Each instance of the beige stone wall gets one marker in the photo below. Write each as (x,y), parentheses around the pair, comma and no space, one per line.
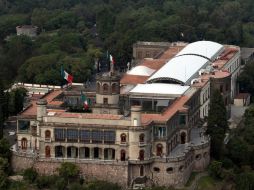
(112,99)
(55,119)
(113,172)
(178,176)
(201,158)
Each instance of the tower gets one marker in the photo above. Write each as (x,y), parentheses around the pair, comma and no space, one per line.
(107,93)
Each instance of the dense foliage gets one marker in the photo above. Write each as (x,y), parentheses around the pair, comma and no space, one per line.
(236,164)
(71,29)
(217,123)
(246,79)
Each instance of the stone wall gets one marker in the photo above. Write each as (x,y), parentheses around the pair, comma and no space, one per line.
(109,171)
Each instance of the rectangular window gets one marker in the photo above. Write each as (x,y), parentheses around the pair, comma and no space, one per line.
(72,135)
(109,137)
(85,136)
(97,136)
(159,132)
(105,100)
(182,120)
(59,134)
(23,125)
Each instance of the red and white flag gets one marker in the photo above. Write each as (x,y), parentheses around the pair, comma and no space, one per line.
(68,77)
(112,60)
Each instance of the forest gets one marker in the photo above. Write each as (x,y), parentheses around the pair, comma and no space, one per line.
(74,33)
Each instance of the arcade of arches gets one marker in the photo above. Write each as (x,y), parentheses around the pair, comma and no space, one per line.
(85,153)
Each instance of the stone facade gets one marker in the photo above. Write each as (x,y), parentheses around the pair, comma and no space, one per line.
(131,137)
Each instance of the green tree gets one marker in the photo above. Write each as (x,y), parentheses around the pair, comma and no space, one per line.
(245,181)
(2,103)
(30,174)
(3,180)
(246,78)
(217,124)
(98,185)
(215,169)
(5,149)
(68,170)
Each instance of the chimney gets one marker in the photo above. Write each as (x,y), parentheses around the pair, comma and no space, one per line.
(41,109)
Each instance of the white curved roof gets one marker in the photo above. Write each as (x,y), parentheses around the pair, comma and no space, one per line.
(180,69)
(203,48)
(159,88)
(141,70)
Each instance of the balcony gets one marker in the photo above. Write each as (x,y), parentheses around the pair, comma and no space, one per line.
(47,139)
(142,144)
(146,161)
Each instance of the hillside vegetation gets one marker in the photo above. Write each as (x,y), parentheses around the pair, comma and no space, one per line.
(74,32)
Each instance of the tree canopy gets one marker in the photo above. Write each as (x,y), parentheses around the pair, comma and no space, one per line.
(70,28)
(217,123)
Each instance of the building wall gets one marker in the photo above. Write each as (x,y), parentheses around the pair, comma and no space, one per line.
(201,157)
(224,86)
(204,100)
(113,172)
(143,50)
(234,67)
(178,176)
(30,31)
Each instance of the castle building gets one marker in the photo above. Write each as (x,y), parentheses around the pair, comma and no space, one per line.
(146,127)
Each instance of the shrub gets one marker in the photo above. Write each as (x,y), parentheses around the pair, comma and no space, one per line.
(30,175)
(61,184)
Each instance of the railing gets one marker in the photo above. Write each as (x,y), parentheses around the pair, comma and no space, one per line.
(48,139)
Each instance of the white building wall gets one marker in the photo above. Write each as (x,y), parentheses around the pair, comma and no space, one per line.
(234,66)
(204,100)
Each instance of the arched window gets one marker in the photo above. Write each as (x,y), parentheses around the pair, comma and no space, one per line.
(123,155)
(159,149)
(47,134)
(141,172)
(183,138)
(98,86)
(141,138)
(141,155)
(114,88)
(47,152)
(123,138)
(105,88)
(24,143)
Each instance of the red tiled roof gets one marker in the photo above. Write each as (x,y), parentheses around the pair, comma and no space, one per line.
(133,79)
(168,113)
(31,110)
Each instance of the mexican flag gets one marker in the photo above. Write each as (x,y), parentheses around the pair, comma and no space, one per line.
(112,60)
(66,75)
(85,101)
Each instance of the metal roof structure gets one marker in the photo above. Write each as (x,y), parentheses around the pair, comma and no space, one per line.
(159,89)
(179,70)
(141,70)
(206,49)
(185,65)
